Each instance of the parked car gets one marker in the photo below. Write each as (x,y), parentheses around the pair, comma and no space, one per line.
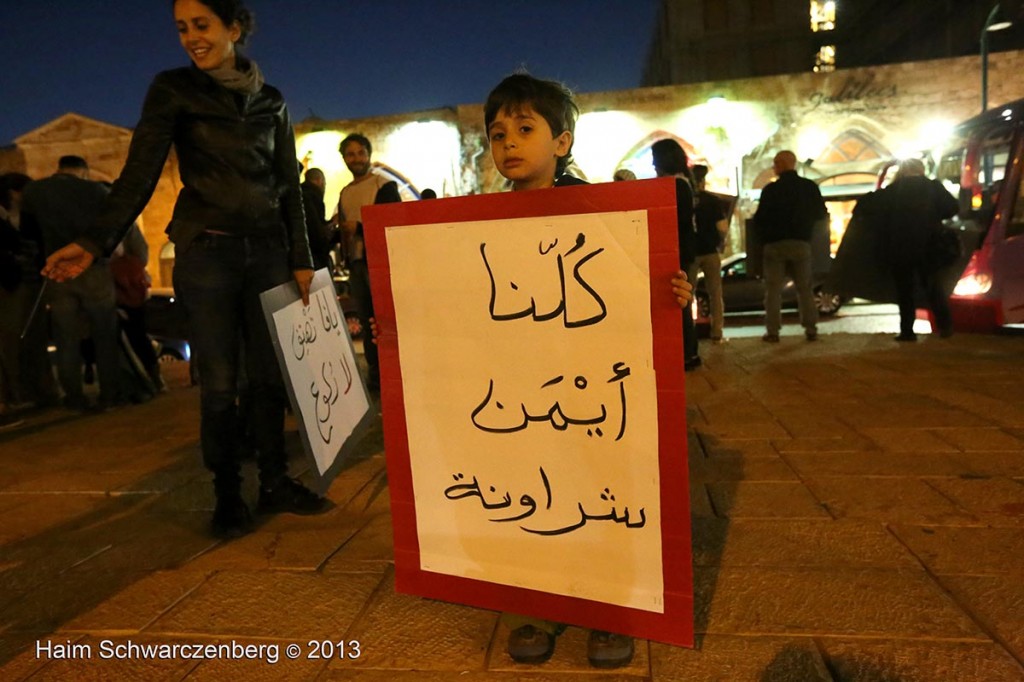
(745,292)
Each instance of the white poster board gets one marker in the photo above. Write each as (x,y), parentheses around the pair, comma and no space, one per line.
(321,374)
(532,411)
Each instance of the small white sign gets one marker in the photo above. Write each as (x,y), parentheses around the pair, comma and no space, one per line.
(319,365)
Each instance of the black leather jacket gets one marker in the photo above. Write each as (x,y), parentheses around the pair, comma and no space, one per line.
(236,157)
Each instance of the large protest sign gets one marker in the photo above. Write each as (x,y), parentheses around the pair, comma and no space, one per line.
(318,362)
(532,387)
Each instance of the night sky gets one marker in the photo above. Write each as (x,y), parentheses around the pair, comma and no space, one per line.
(334,59)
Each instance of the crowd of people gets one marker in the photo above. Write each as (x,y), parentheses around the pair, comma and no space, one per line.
(243,224)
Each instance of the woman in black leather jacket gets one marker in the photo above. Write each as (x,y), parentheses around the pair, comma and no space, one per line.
(238,230)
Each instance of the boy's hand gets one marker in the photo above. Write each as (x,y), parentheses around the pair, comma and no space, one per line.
(373,330)
(682,289)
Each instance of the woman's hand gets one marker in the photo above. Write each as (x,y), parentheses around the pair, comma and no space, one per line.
(682,289)
(373,330)
(303,280)
(67,263)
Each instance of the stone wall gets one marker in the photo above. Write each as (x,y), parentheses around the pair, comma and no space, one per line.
(736,126)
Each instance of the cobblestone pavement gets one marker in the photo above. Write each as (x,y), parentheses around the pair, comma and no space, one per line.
(858,511)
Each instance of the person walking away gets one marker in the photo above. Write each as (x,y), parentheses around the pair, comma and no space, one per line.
(62,207)
(712,226)
(670,160)
(785,219)
(914,207)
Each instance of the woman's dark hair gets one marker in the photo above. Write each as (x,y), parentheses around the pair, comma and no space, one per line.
(230,11)
(669,157)
(552,100)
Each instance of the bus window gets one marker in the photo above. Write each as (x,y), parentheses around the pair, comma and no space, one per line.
(993,155)
(1016,224)
(949,169)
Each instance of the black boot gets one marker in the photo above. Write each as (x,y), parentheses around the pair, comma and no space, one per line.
(289,495)
(231,517)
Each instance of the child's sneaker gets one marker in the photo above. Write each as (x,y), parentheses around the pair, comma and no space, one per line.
(608,650)
(528,644)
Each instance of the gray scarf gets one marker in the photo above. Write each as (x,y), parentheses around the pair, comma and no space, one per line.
(247,81)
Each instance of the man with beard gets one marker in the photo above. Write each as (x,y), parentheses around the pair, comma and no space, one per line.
(365,189)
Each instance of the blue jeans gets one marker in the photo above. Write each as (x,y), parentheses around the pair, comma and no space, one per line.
(219,280)
(91,295)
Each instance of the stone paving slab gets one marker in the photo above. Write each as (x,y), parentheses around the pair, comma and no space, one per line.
(889,464)
(996,502)
(899,500)
(797,543)
(864,602)
(403,632)
(37,514)
(997,602)
(294,606)
(991,464)
(966,550)
(296,550)
(728,658)
(740,468)
(723,449)
(981,439)
(915,661)
(907,440)
(765,499)
(139,604)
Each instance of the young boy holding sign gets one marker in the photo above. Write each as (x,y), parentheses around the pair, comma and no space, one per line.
(530,124)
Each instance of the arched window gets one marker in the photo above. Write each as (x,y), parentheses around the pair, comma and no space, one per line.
(852,145)
(639,159)
(406,189)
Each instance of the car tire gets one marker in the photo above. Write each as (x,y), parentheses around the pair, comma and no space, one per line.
(827,303)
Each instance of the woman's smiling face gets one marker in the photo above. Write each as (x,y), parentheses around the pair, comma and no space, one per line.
(209,43)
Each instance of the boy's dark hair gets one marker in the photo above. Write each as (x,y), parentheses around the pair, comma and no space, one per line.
(356,137)
(670,157)
(550,99)
(230,11)
(71,162)
(700,172)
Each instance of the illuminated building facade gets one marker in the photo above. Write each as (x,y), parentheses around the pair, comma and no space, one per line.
(844,125)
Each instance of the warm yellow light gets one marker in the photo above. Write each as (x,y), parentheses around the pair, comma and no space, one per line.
(427,153)
(596,150)
(320,150)
(811,142)
(973,285)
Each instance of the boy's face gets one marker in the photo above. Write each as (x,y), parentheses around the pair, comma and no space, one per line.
(524,149)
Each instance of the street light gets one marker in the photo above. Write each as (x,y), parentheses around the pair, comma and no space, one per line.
(991,25)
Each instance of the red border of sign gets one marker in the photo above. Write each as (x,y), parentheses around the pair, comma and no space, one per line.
(657,197)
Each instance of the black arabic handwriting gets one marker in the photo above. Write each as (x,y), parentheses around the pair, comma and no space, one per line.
(461,490)
(554,414)
(324,402)
(562,308)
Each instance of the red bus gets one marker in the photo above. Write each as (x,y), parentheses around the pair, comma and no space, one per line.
(984,166)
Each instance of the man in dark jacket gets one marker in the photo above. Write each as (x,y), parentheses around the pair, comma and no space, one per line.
(914,207)
(785,217)
(316,224)
(63,207)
